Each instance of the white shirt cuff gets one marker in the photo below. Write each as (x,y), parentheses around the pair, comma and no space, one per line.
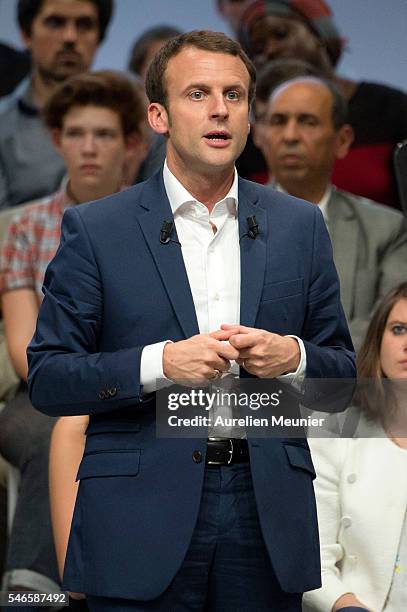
(299,374)
(151,366)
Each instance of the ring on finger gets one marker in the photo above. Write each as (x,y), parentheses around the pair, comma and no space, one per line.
(216,374)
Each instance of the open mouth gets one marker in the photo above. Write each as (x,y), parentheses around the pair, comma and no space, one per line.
(218,136)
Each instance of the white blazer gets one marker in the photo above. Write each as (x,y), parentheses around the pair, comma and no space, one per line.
(361,492)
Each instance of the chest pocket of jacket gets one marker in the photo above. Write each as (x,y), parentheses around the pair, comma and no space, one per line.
(110,463)
(282,290)
(281,309)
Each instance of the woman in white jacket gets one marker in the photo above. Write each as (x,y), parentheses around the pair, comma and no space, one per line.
(361,484)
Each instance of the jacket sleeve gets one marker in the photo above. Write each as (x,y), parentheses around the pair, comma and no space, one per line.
(69,374)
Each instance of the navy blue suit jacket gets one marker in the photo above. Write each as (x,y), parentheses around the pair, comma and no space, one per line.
(114,288)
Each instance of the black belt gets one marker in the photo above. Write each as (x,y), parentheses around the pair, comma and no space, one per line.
(225,451)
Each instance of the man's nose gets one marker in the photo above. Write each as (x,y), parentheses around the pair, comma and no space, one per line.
(70,32)
(88,144)
(219,108)
(291,133)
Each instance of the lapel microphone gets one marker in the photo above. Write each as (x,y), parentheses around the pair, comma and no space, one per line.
(166,231)
(253,229)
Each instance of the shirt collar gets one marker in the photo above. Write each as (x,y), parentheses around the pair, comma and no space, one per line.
(178,195)
(323,203)
(62,196)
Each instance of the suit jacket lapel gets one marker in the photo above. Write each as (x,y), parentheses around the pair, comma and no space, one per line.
(344,236)
(252,256)
(168,257)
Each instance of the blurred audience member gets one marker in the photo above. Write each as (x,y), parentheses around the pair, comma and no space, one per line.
(361,484)
(14,66)
(232,11)
(275,73)
(9,381)
(146,46)
(62,36)
(95,120)
(302,133)
(305,30)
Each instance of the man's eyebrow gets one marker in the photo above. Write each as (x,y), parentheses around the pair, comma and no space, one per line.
(276,114)
(235,86)
(56,15)
(204,86)
(283,113)
(302,115)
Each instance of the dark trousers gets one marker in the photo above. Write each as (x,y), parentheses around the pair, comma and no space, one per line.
(226,568)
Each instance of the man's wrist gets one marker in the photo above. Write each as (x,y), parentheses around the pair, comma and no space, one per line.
(296,358)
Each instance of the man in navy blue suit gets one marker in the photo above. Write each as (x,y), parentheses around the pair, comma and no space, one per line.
(182,277)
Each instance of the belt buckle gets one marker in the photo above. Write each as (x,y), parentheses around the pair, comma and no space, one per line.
(229,450)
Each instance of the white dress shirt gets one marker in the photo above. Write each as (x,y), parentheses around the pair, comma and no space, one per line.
(211,253)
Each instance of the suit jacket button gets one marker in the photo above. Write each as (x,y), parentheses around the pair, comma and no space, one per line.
(197,456)
(102,395)
(113,391)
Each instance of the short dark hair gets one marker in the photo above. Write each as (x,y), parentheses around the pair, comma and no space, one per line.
(27,10)
(143,42)
(215,42)
(105,88)
(339,104)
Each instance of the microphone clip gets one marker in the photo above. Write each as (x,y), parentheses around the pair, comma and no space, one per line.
(253,229)
(166,231)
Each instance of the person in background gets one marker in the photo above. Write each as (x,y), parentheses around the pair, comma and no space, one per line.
(146,46)
(274,29)
(361,484)
(96,121)
(62,37)
(232,11)
(274,73)
(303,131)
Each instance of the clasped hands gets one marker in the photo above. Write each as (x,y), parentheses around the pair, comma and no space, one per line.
(207,356)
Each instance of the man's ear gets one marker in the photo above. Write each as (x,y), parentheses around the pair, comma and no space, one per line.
(56,138)
(26,38)
(346,136)
(158,118)
(256,136)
